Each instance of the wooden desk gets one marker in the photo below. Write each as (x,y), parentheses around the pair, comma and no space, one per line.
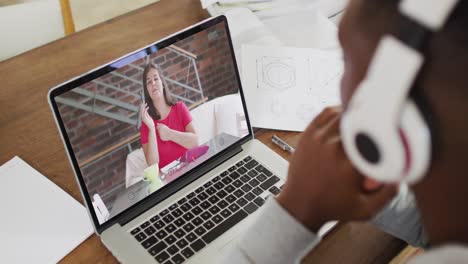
(27,128)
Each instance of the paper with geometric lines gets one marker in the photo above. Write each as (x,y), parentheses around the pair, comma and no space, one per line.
(285,88)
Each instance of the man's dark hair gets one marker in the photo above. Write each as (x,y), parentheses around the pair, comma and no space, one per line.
(446,51)
(442,84)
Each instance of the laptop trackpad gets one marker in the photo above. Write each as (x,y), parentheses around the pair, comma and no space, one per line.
(224,249)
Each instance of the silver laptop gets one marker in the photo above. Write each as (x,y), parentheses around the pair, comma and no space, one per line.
(189,202)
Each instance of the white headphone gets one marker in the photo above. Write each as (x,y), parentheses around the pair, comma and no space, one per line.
(384,133)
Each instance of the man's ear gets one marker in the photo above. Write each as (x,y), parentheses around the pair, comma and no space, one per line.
(376,200)
(369,185)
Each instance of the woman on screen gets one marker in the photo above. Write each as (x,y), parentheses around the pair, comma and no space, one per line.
(166,130)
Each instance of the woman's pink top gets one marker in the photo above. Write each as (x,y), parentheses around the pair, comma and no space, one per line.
(177,119)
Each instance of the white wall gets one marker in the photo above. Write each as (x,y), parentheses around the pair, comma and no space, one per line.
(29,25)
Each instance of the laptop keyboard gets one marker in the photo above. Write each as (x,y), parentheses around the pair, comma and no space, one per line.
(178,232)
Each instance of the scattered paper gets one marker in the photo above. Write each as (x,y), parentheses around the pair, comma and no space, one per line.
(307,28)
(242,1)
(207,3)
(275,8)
(285,88)
(40,222)
(246,28)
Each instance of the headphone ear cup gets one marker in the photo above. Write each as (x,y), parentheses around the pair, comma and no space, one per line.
(373,145)
(416,137)
(404,148)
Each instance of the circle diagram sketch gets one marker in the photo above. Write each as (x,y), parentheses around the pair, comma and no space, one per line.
(277,74)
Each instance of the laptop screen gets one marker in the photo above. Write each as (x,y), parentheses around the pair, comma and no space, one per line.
(140,123)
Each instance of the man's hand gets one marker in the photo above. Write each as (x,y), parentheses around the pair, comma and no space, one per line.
(164,132)
(322,183)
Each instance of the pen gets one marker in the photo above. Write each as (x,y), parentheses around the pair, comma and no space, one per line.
(279,142)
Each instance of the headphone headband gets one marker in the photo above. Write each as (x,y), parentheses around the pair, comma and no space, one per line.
(383,132)
(432,14)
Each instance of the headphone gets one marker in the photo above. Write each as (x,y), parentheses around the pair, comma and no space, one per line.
(383,130)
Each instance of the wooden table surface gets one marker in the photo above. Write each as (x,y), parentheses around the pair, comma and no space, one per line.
(27,128)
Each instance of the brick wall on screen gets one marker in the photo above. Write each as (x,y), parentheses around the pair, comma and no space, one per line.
(91,133)
(214,64)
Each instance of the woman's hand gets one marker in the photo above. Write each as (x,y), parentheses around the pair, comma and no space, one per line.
(164,132)
(145,117)
(322,183)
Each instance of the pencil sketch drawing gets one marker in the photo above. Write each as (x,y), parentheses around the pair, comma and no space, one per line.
(275,73)
(323,72)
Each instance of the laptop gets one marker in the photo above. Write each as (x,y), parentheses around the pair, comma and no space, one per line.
(189,203)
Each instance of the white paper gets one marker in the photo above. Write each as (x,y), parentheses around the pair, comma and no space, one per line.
(242,1)
(332,7)
(40,223)
(285,88)
(207,3)
(305,29)
(286,7)
(246,28)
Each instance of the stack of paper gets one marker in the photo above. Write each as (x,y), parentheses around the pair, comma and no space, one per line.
(286,87)
(246,28)
(275,8)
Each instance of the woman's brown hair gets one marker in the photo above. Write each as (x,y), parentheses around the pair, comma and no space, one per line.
(152,111)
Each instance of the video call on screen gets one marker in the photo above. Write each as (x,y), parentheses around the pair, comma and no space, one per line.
(103,118)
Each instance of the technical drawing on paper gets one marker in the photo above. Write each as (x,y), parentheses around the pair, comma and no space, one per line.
(323,72)
(278,108)
(276,74)
(306,112)
(288,87)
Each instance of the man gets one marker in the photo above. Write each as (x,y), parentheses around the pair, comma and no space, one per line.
(322,183)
